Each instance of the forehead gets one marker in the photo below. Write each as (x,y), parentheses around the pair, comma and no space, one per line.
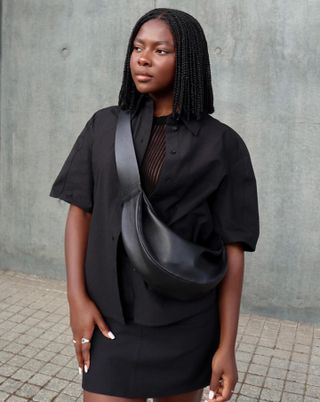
(155,31)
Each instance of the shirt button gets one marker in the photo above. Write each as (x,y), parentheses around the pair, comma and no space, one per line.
(175,128)
(173,151)
(112,237)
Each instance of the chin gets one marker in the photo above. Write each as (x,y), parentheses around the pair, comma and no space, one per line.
(144,89)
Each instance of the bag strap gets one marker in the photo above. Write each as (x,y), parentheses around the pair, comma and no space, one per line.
(125,156)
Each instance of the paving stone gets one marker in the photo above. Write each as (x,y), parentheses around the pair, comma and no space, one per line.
(279,363)
(313,380)
(61,360)
(300,357)
(297,377)
(294,387)
(301,348)
(18,361)
(45,355)
(245,347)
(242,398)
(13,347)
(268,342)
(270,395)
(264,351)
(50,369)
(56,347)
(300,367)
(66,398)
(274,383)
(28,390)
(313,391)
(73,389)
(15,398)
(7,370)
(254,379)
(22,375)
(314,369)
(3,396)
(282,354)
(275,372)
(259,359)
(34,365)
(10,385)
(241,375)
(57,384)
(39,379)
(243,356)
(67,373)
(250,391)
(288,397)
(251,340)
(257,369)
(45,395)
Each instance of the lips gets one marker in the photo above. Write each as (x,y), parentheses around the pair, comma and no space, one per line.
(143,77)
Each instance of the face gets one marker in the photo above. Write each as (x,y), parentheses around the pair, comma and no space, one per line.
(153,59)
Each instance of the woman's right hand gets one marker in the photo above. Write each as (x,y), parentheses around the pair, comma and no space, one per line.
(84,315)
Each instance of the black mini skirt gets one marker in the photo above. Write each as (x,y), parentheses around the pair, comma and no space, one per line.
(148,362)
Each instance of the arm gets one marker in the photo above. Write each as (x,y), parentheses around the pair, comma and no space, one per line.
(84,314)
(76,238)
(224,363)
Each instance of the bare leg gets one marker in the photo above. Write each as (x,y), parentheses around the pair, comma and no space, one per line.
(193,396)
(92,397)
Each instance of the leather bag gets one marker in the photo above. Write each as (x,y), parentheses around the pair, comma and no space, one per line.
(169,264)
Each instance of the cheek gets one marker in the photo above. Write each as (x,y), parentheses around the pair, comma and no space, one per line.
(170,70)
(132,62)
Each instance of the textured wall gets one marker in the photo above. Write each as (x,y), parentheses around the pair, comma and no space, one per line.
(63,59)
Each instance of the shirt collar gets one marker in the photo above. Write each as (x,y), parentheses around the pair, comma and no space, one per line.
(146,104)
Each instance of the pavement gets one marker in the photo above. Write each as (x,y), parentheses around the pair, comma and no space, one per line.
(278,360)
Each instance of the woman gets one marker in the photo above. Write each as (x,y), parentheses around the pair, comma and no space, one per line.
(132,342)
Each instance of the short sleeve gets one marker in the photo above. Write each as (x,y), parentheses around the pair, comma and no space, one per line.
(234,204)
(74,183)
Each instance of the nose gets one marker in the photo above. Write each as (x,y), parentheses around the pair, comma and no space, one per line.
(143,60)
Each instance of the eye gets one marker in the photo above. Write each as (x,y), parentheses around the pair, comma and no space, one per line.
(161,51)
(137,48)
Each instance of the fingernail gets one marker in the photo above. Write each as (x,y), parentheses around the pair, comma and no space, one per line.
(85,368)
(80,370)
(211,394)
(110,335)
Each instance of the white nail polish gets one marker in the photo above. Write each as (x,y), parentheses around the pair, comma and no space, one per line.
(110,334)
(211,394)
(80,370)
(85,368)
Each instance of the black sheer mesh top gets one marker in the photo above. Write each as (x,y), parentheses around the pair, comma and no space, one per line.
(154,155)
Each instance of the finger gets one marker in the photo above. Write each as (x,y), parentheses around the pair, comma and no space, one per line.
(77,346)
(103,326)
(225,391)
(85,349)
(214,385)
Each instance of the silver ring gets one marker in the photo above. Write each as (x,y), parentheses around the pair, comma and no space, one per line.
(84,340)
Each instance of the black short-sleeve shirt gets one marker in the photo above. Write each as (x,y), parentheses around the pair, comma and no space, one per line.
(206,189)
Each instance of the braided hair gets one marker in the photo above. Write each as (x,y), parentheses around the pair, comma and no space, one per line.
(192,90)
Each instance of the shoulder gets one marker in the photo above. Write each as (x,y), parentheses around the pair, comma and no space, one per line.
(232,143)
(105,115)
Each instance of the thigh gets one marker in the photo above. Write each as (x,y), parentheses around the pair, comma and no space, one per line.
(193,396)
(93,397)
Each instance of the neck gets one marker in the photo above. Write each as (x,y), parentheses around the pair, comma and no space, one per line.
(162,104)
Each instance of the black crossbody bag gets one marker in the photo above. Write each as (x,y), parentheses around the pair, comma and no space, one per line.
(169,264)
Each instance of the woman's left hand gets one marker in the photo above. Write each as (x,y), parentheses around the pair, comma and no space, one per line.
(224,375)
